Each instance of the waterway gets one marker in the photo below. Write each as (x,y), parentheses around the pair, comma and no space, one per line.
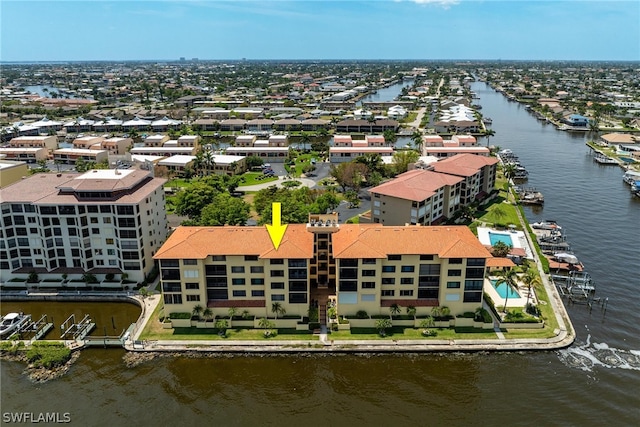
(593,382)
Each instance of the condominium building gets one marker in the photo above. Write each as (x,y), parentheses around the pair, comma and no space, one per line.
(429,196)
(362,266)
(345,149)
(100,222)
(415,197)
(478,172)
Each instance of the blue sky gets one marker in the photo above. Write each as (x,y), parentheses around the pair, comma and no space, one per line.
(319,29)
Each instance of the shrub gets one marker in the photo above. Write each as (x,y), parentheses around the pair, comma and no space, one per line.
(361,314)
(270,333)
(48,355)
(179,315)
(482,315)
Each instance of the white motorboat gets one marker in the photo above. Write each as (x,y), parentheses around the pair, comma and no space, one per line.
(12,322)
(546,225)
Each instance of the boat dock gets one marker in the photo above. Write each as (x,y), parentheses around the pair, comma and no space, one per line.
(76,331)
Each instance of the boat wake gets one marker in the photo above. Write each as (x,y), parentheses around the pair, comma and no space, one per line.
(588,356)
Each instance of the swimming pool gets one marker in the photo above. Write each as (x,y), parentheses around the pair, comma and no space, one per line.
(502,290)
(499,237)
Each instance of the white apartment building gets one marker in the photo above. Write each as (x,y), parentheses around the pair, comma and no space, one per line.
(100,222)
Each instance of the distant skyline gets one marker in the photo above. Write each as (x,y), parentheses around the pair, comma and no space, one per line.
(93,30)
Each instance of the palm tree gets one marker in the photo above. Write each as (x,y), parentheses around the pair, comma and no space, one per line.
(489,133)
(264,323)
(394,309)
(232,312)
(509,170)
(208,160)
(508,277)
(416,138)
(278,309)
(207,314)
(197,311)
(382,325)
(531,278)
(411,311)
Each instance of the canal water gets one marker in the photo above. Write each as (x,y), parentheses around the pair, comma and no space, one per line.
(593,382)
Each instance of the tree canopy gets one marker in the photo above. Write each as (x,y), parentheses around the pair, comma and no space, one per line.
(225,210)
(296,205)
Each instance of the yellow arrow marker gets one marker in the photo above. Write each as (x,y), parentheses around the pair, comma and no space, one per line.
(276,229)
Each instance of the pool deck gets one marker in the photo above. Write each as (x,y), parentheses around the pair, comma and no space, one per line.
(521,301)
(518,238)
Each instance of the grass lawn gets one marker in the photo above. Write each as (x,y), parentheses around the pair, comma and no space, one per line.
(251,178)
(301,161)
(179,182)
(407,333)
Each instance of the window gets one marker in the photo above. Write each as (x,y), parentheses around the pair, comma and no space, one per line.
(93,220)
(251,257)
(388,268)
(453,285)
(190,274)
(388,280)
(455,261)
(277,273)
(192,285)
(239,293)
(475,262)
(299,263)
(277,285)
(277,297)
(368,285)
(455,273)
(406,293)
(406,281)
(367,297)
(257,269)
(429,269)
(276,261)
(237,269)
(172,298)
(218,258)
(257,281)
(475,273)
(190,261)
(394,257)
(193,297)
(407,269)
(257,293)
(238,282)
(426,257)
(297,298)
(368,261)
(388,292)
(368,273)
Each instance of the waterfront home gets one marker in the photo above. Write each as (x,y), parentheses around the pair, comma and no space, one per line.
(364,267)
(576,120)
(617,138)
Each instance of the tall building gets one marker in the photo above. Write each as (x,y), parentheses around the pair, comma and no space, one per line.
(362,266)
(100,222)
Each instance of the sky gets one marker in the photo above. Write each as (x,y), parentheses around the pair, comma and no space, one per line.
(67,30)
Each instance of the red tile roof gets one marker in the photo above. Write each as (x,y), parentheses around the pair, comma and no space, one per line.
(416,185)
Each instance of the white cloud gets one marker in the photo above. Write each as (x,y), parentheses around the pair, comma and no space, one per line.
(444,3)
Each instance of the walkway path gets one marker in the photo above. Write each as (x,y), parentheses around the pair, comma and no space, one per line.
(307,182)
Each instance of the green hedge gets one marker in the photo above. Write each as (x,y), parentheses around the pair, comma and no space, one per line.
(179,315)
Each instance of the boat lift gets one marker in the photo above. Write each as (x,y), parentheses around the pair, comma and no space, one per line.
(39,328)
(76,331)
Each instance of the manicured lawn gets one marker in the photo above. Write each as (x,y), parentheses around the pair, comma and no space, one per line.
(405,333)
(179,183)
(251,178)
